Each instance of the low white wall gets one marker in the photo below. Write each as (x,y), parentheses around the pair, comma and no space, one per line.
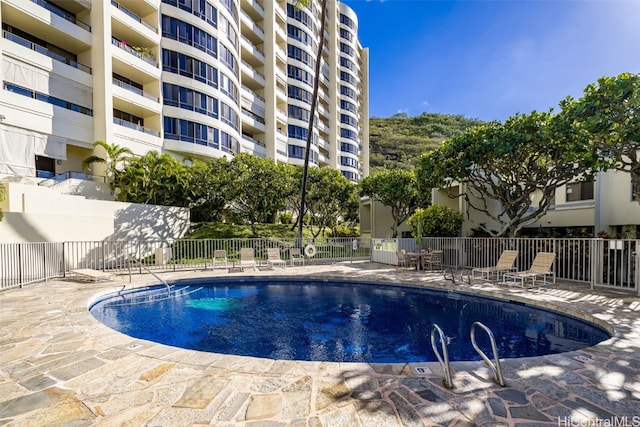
(39,214)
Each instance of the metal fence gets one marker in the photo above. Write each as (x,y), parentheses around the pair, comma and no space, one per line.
(599,262)
(23,263)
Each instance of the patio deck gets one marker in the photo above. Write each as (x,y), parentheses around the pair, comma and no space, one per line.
(59,366)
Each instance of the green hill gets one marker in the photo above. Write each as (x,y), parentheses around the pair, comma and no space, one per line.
(398,141)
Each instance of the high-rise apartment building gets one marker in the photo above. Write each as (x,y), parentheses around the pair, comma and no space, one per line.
(194,78)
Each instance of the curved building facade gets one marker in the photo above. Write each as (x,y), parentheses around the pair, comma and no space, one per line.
(194,78)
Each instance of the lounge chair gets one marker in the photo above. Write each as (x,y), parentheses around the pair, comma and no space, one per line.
(504,265)
(296,256)
(432,259)
(247,259)
(220,258)
(542,266)
(273,258)
(92,275)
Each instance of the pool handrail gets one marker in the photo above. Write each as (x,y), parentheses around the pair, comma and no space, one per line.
(494,366)
(444,359)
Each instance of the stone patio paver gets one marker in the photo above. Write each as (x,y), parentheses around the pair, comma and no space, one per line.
(59,366)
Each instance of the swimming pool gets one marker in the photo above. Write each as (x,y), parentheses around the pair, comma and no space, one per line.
(322,320)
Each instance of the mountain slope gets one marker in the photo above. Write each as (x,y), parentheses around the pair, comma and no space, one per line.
(399,140)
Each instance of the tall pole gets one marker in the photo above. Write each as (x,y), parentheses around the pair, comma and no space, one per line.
(312,115)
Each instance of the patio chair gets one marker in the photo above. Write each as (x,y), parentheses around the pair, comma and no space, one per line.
(220,258)
(504,265)
(247,259)
(405,260)
(432,259)
(541,266)
(273,258)
(296,256)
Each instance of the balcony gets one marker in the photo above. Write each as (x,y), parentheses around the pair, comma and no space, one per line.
(252,74)
(62,13)
(135,90)
(138,52)
(252,49)
(136,127)
(44,51)
(133,16)
(252,25)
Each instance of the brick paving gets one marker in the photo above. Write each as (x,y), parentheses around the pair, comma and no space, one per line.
(61,367)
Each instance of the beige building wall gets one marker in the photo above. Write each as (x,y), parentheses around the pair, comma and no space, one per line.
(611,210)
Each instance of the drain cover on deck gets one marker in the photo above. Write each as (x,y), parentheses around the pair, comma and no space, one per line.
(583,359)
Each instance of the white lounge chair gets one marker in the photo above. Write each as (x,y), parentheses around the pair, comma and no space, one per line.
(542,266)
(92,275)
(220,258)
(247,259)
(273,258)
(504,265)
(295,255)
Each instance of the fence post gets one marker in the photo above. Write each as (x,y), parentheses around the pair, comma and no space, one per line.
(592,261)
(637,275)
(44,260)
(64,262)
(20,264)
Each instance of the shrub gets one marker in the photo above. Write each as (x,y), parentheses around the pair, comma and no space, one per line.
(286,218)
(435,221)
(341,231)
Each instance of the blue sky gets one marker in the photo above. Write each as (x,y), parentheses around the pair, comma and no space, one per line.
(492,59)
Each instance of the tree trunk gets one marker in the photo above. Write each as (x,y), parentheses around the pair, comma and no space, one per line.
(312,115)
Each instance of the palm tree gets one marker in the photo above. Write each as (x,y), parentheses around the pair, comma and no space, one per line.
(115,156)
(312,114)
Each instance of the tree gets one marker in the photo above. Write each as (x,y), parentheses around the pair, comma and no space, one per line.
(261,188)
(397,189)
(608,114)
(210,188)
(516,163)
(154,178)
(115,158)
(312,114)
(328,192)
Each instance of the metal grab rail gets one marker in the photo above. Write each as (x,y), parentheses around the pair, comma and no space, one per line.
(449,274)
(444,341)
(148,271)
(495,366)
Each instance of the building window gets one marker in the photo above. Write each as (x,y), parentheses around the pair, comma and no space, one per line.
(344,19)
(9,87)
(300,16)
(349,134)
(296,152)
(577,191)
(187,66)
(191,132)
(299,113)
(200,8)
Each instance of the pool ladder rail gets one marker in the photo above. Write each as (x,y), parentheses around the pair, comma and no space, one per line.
(134,260)
(444,358)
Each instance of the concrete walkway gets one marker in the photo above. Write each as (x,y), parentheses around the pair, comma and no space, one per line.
(61,367)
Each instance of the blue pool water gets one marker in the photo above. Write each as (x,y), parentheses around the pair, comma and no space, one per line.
(332,321)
